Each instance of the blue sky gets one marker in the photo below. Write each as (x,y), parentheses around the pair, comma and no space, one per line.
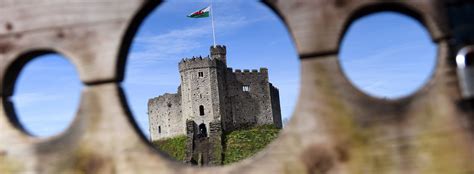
(386,55)
(47,94)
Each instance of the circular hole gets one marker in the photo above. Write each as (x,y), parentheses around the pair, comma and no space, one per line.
(46,95)
(387,54)
(178,94)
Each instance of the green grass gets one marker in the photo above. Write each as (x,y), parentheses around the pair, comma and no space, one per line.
(242,144)
(175,147)
(238,145)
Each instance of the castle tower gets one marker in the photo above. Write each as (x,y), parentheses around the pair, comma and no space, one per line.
(202,90)
(219,52)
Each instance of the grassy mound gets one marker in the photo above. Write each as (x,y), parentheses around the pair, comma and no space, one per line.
(238,145)
(175,147)
(242,144)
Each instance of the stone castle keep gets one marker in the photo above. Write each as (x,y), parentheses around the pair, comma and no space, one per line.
(213,99)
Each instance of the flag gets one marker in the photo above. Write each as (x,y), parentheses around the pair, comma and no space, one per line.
(203,13)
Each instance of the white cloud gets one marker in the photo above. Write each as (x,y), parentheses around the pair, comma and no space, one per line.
(28,99)
(45,114)
(158,79)
(380,55)
(167,46)
(47,124)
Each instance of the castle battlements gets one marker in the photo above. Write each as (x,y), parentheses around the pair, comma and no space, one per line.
(195,59)
(197,62)
(162,98)
(219,52)
(219,49)
(248,71)
(215,60)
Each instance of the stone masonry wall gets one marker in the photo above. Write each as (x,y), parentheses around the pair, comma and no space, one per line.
(165,118)
(251,107)
(275,100)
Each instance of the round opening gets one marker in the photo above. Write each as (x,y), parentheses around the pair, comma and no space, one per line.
(182,88)
(46,95)
(387,54)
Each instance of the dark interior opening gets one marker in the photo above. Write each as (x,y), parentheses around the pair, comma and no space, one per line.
(201,110)
(469,59)
(202,130)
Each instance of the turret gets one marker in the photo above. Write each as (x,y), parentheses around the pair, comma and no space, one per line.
(219,52)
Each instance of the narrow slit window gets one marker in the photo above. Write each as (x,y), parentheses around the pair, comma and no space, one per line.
(246,88)
(200,74)
(159,129)
(201,110)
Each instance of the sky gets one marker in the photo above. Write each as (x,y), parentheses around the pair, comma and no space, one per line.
(47,95)
(385,55)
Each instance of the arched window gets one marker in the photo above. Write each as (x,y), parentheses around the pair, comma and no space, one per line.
(201,110)
(246,88)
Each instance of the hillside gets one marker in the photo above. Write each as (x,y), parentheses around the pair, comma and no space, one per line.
(238,145)
(175,147)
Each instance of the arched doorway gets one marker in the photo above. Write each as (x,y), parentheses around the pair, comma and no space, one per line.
(202,130)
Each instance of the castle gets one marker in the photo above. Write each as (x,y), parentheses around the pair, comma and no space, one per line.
(211,100)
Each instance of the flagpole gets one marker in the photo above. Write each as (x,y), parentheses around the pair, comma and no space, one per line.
(212,21)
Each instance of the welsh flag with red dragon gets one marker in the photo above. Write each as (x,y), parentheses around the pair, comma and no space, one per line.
(203,13)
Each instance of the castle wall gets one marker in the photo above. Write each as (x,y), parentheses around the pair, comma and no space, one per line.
(276,110)
(252,107)
(165,116)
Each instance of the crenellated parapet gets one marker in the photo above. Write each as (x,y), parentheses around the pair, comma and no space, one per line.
(262,72)
(219,52)
(218,49)
(164,99)
(247,71)
(199,62)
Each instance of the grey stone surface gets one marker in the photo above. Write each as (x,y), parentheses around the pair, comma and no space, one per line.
(207,84)
(165,116)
